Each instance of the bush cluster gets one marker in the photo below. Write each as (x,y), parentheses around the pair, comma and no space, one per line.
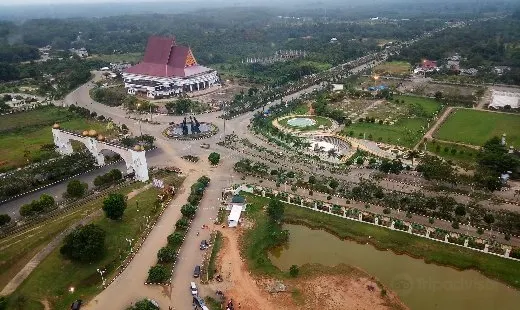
(44,204)
(108,178)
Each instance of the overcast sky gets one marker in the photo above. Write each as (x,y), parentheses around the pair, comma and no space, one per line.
(19,2)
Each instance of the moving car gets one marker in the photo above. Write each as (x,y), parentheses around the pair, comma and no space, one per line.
(193,288)
(76,305)
(196,272)
(204,245)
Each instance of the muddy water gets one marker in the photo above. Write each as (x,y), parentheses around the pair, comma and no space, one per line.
(419,285)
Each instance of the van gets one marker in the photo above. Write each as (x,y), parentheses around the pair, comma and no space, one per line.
(196,272)
(193,289)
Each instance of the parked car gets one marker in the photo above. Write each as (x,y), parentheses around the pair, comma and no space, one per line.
(204,245)
(196,272)
(193,289)
(76,305)
(155,303)
(204,146)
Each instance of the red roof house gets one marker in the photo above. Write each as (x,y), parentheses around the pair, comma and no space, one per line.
(429,64)
(164,58)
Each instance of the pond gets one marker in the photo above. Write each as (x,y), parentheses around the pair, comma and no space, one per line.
(301,122)
(418,284)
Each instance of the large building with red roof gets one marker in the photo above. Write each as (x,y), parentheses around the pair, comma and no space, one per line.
(168,69)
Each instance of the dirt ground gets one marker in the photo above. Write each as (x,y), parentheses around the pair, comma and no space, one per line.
(221,94)
(317,287)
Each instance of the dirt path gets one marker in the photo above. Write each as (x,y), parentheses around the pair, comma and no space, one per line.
(244,289)
(341,287)
(429,134)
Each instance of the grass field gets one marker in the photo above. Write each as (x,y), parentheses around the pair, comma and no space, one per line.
(52,279)
(23,134)
(128,57)
(18,249)
(476,127)
(406,132)
(460,155)
(505,270)
(394,68)
(320,121)
(412,114)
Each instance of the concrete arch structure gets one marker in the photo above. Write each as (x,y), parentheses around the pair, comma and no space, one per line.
(135,160)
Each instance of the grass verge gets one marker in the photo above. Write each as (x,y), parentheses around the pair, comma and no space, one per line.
(51,280)
(217,244)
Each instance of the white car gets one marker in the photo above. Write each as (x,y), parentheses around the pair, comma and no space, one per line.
(193,288)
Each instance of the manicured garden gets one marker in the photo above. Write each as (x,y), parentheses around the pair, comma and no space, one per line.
(27,137)
(320,121)
(53,278)
(413,115)
(476,127)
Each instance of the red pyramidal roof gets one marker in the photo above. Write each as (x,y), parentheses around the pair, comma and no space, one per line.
(164,58)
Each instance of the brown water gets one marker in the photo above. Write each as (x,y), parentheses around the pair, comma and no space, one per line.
(420,286)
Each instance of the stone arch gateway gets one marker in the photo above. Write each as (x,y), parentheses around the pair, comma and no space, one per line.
(135,160)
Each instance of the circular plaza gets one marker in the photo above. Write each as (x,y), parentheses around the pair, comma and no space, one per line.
(305,123)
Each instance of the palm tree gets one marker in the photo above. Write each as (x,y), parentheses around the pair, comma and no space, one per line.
(413,154)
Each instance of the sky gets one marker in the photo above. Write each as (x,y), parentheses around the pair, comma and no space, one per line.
(21,2)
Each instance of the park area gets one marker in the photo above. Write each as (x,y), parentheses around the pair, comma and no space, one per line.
(26,137)
(393,68)
(305,123)
(51,282)
(400,121)
(476,127)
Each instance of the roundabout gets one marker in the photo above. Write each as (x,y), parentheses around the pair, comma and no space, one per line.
(190,130)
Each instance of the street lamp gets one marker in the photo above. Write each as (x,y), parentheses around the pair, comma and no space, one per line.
(130,244)
(140,129)
(101,273)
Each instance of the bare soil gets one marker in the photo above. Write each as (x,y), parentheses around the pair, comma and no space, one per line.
(317,287)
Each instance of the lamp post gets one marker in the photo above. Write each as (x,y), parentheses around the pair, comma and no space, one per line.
(140,128)
(101,273)
(130,244)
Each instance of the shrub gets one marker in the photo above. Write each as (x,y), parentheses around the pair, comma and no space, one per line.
(114,206)
(76,188)
(460,210)
(45,203)
(175,239)
(294,271)
(214,158)
(188,210)
(455,225)
(329,197)
(312,179)
(386,211)
(4,219)
(489,218)
(144,304)
(431,220)
(182,224)
(108,178)
(166,254)
(480,231)
(84,244)
(158,274)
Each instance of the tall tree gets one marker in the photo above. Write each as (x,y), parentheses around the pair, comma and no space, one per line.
(114,206)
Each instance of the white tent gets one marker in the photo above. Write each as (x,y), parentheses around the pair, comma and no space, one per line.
(234,215)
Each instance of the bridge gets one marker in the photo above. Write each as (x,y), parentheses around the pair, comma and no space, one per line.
(135,159)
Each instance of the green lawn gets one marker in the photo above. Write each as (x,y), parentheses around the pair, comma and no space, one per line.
(52,279)
(393,68)
(462,156)
(406,132)
(18,249)
(428,105)
(505,270)
(320,121)
(23,134)
(476,127)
